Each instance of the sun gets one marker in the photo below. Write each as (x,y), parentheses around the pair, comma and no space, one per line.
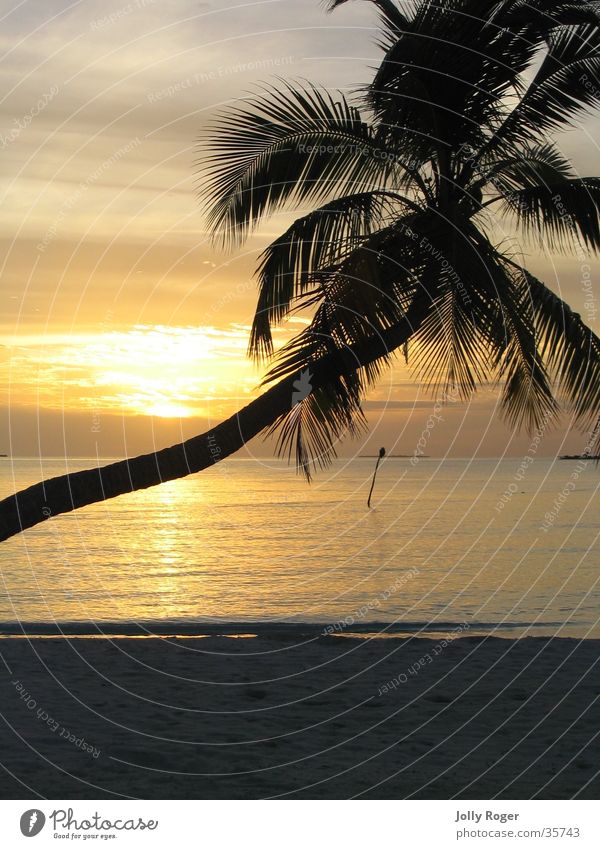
(168,411)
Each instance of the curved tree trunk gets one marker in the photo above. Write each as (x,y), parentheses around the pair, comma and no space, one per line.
(62,494)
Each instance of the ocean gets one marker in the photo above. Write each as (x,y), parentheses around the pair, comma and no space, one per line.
(506,547)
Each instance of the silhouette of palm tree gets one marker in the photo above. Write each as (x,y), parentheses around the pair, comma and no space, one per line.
(408,184)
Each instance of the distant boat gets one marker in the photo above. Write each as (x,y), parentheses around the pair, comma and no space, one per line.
(579,457)
(390,456)
(586,455)
(3,455)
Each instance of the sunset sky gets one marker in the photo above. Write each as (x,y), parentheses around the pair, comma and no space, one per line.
(122,327)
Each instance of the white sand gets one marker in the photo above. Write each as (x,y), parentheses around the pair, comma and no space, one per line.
(255,718)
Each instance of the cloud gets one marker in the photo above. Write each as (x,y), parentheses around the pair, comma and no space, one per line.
(151,369)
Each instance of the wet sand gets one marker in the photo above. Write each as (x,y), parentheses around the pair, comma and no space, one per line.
(287,716)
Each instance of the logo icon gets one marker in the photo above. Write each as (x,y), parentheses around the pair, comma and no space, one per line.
(302,387)
(32,822)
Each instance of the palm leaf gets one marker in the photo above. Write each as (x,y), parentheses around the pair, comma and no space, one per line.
(393,20)
(570,348)
(313,426)
(527,397)
(526,167)
(558,94)
(368,292)
(443,81)
(295,145)
(371,293)
(313,246)
(560,211)
(451,349)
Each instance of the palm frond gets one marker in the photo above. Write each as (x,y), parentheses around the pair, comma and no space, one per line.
(292,144)
(569,347)
(483,327)
(446,350)
(566,84)
(332,409)
(373,292)
(507,349)
(313,246)
(527,397)
(314,425)
(444,80)
(369,292)
(560,212)
(450,351)
(393,19)
(538,17)
(526,167)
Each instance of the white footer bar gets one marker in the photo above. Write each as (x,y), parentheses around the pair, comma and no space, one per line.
(300,824)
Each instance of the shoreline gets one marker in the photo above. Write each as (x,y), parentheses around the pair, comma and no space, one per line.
(267,629)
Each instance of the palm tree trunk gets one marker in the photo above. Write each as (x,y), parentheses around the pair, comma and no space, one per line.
(68,492)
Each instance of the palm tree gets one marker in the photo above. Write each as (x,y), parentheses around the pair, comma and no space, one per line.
(407,183)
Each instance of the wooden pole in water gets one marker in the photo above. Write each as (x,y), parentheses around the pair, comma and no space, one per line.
(381,456)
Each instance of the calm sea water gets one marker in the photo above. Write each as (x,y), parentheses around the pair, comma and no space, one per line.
(474,545)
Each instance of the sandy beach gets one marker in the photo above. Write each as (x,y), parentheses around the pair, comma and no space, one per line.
(283,715)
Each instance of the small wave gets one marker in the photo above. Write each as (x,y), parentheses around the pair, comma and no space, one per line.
(187,628)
